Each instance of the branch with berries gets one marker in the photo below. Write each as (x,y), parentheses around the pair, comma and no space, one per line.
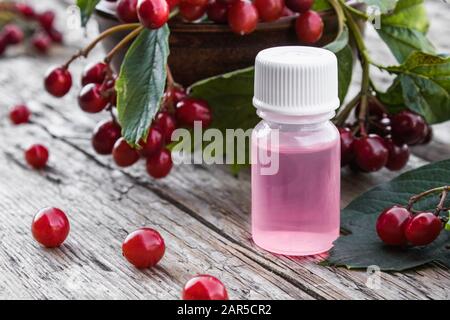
(146,104)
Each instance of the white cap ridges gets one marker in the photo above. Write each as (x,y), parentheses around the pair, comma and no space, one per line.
(296,81)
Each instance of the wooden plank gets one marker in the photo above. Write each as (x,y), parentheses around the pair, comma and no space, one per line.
(103,206)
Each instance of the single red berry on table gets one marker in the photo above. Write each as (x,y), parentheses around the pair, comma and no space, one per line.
(190,110)
(37,156)
(154,142)
(127,11)
(204,287)
(58,81)
(153,14)
(391,225)
(423,229)
(269,10)
(408,127)
(300,6)
(144,248)
(123,154)
(167,123)
(398,155)
(50,227)
(347,152)
(92,99)
(41,42)
(371,153)
(192,13)
(25,10)
(105,136)
(94,73)
(19,114)
(12,34)
(160,164)
(218,11)
(46,20)
(309,27)
(243,17)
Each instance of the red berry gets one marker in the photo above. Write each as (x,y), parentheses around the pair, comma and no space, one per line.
(398,155)
(41,42)
(127,11)
(408,127)
(375,109)
(55,35)
(347,152)
(218,12)
(167,123)
(25,10)
(192,13)
(46,20)
(173,3)
(370,153)
(243,17)
(37,156)
(391,225)
(190,110)
(204,287)
(299,5)
(123,154)
(195,2)
(428,134)
(105,136)
(309,27)
(269,10)
(153,14)
(50,227)
(19,114)
(58,81)
(3,45)
(91,98)
(154,142)
(423,229)
(94,73)
(159,164)
(12,34)
(175,94)
(143,248)
(381,126)
(287,12)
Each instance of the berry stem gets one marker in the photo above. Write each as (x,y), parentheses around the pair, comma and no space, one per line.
(343,115)
(340,14)
(133,34)
(85,51)
(418,197)
(355,11)
(440,206)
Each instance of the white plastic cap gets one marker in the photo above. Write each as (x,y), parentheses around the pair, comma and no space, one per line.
(296,81)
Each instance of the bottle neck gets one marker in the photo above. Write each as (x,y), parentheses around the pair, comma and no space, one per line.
(309,120)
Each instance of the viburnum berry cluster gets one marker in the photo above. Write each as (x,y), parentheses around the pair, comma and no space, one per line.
(24,22)
(401,226)
(143,248)
(98,94)
(242,16)
(379,139)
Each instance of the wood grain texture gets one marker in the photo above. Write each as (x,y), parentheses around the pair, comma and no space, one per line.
(202,212)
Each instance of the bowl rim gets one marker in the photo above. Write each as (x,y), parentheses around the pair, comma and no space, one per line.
(105,10)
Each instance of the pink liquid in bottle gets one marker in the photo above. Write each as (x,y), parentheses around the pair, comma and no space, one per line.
(296,211)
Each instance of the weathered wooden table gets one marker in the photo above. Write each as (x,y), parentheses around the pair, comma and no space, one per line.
(202,212)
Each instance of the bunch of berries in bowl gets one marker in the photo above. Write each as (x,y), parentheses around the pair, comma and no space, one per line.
(26,24)
(98,94)
(382,139)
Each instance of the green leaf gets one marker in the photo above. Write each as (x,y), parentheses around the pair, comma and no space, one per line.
(383,5)
(424,85)
(345,71)
(362,247)
(140,86)
(86,9)
(404,29)
(321,5)
(230,97)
